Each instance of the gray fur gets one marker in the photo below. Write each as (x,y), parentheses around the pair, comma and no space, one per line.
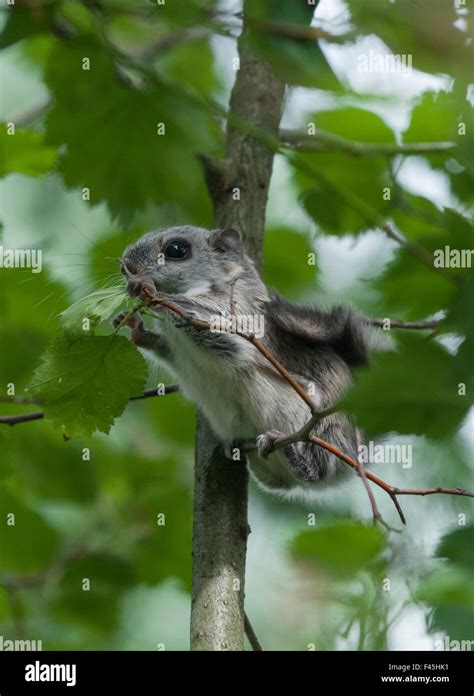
(240,393)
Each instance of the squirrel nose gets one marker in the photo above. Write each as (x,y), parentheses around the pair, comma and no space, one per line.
(140,286)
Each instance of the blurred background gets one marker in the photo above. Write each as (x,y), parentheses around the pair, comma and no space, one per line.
(319,576)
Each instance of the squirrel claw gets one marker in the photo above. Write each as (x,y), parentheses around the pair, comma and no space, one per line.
(266,442)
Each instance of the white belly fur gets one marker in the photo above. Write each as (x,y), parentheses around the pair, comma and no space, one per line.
(240,400)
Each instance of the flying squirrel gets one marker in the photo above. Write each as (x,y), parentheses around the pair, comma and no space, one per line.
(208,274)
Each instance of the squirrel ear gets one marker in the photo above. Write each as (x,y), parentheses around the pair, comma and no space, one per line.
(227,240)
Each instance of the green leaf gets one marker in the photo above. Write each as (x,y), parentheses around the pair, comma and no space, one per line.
(296,60)
(340,179)
(289,273)
(412,390)
(449,592)
(353,124)
(447,117)
(96,307)
(87,384)
(134,162)
(342,548)
(433,119)
(30,543)
(25,153)
(29,304)
(350,193)
(23,23)
(405,278)
(424,29)
(404,284)
(417,217)
(191,63)
(458,548)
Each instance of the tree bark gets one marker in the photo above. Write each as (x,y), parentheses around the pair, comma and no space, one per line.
(238,185)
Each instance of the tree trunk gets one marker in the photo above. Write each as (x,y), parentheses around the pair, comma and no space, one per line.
(238,186)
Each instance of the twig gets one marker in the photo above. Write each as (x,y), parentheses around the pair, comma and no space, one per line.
(304,433)
(323,141)
(200,324)
(377,517)
(21,418)
(149,393)
(251,635)
(39,415)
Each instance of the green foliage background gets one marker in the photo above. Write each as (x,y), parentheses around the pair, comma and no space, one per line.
(337,583)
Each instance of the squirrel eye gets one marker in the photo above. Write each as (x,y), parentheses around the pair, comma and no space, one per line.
(176,250)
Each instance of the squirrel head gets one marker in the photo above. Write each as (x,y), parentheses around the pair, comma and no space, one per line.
(189,260)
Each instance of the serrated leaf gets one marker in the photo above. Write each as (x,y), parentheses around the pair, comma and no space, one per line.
(96,307)
(137,146)
(87,384)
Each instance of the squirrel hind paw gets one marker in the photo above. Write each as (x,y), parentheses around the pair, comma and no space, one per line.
(266,442)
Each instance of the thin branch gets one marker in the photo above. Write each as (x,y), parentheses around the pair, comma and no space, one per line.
(323,141)
(377,517)
(304,434)
(251,635)
(39,415)
(205,325)
(392,491)
(21,418)
(149,393)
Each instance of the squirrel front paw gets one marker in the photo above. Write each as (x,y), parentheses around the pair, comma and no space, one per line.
(134,321)
(266,442)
